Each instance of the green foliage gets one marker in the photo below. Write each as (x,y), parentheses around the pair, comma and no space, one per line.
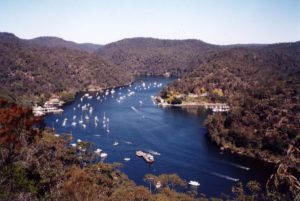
(17,179)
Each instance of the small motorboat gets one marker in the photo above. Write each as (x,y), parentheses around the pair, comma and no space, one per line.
(194,183)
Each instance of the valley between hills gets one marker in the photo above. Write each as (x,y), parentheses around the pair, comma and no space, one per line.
(259,82)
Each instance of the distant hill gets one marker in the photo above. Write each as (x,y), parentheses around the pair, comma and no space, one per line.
(156,56)
(29,71)
(247,62)
(59,42)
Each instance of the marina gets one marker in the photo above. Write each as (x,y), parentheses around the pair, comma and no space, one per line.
(51,106)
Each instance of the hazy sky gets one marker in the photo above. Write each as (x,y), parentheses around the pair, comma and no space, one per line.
(99,21)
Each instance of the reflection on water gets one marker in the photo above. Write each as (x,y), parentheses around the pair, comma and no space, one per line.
(125,120)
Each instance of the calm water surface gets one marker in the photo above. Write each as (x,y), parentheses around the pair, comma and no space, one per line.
(176,137)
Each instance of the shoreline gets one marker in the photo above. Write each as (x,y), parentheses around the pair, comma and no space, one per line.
(241,151)
(101,90)
(224,145)
(75,94)
(244,152)
(215,107)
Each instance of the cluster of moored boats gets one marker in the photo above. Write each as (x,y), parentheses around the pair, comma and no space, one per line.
(87,116)
(87,109)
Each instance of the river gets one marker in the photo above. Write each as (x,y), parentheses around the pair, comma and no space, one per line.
(177,138)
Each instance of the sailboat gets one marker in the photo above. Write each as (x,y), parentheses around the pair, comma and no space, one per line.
(105,123)
(64,122)
(80,121)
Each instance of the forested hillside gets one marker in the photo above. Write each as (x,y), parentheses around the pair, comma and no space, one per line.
(262,87)
(32,71)
(155,57)
(58,42)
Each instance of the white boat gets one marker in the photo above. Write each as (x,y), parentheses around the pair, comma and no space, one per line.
(87,117)
(126,159)
(74,123)
(56,120)
(115,143)
(194,183)
(73,145)
(103,155)
(64,122)
(79,140)
(91,110)
(85,107)
(97,151)
(83,125)
(74,117)
(80,121)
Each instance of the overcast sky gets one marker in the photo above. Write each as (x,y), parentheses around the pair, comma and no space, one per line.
(99,21)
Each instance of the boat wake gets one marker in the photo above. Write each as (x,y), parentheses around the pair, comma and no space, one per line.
(153,152)
(238,166)
(137,111)
(127,142)
(232,164)
(224,176)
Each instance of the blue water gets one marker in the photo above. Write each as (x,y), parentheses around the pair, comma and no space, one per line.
(178,137)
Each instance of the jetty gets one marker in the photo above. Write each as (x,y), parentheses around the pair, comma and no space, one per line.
(215,107)
(50,106)
(146,156)
(40,111)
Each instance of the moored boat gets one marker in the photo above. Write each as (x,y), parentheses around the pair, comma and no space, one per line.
(146,156)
